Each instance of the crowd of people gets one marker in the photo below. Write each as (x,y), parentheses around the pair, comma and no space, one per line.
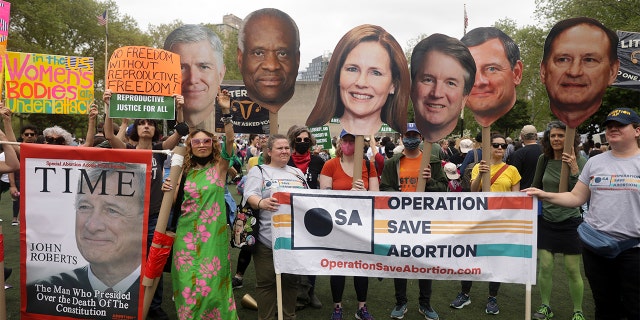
(368,80)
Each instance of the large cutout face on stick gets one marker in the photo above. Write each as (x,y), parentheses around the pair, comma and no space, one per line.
(366,83)
(203,69)
(579,62)
(269,57)
(442,75)
(499,71)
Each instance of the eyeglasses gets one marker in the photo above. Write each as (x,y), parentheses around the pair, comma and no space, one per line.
(501,145)
(58,140)
(201,142)
(29,134)
(303,140)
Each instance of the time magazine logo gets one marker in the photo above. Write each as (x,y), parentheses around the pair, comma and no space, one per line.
(331,222)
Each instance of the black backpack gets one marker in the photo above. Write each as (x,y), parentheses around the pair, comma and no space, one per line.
(465,179)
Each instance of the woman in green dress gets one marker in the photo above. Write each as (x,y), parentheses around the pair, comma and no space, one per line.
(201,269)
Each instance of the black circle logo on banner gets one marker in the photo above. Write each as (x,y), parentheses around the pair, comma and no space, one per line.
(318,222)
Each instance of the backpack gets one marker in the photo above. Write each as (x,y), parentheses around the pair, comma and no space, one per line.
(465,179)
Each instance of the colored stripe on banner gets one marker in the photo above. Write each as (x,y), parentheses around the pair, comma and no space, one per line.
(284,198)
(504,250)
(282,243)
(501,203)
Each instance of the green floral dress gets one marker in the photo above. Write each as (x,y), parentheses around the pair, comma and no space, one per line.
(201,270)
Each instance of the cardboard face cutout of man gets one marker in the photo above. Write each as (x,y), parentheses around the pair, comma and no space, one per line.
(269,57)
(499,71)
(442,74)
(577,67)
(366,83)
(203,69)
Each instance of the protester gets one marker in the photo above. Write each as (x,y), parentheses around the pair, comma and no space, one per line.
(499,71)
(610,182)
(525,158)
(337,174)
(504,178)
(453,175)
(201,261)
(300,141)
(557,226)
(147,135)
(367,56)
(202,65)
(400,173)
(261,180)
(270,76)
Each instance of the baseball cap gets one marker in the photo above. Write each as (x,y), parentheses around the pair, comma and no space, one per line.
(622,115)
(344,133)
(412,127)
(451,170)
(466,145)
(528,131)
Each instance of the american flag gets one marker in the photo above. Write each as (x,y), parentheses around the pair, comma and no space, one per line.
(102,19)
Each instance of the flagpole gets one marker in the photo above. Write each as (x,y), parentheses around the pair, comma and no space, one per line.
(464,32)
(106,46)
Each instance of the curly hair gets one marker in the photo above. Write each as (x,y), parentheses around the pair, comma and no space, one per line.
(59,132)
(216,149)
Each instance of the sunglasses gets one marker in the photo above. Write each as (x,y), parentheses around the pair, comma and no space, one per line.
(303,140)
(201,142)
(58,140)
(29,134)
(501,145)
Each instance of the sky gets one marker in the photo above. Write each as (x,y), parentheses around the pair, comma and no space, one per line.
(322,23)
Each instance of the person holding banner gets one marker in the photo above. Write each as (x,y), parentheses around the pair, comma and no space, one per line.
(504,178)
(557,226)
(201,269)
(610,181)
(262,181)
(147,134)
(202,64)
(400,173)
(301,140)
(337,174)
(366,84)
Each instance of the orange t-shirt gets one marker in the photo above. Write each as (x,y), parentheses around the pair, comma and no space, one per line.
(408,175)
(342,181)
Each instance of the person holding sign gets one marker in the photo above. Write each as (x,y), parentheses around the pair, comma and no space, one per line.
(400,173)
(201,269)
(337,174)
(366,84)
(579,61)
(557,226)
(147,134)
(202,64)
(269,57)
(108,233)
(262,181)
(499,71)
(504,178)
(442,73)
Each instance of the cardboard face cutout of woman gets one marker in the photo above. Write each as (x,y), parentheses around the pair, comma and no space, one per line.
(499,71)
(442,75)
(579,61)
(366,83)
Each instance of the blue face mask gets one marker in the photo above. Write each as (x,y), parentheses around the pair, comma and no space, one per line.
(411,143)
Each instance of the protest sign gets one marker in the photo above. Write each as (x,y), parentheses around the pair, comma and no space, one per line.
(248,116)
(629,55)
(43,83)
(138,106)
(143,70)
(5,8)
(322,135)
(441,236)
(83,218)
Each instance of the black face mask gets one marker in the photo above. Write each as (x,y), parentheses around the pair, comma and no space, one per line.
(302,147)
(202,160)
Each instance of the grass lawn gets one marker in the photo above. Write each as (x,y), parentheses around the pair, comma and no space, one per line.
(381,298)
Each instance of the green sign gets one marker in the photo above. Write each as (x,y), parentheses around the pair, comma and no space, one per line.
(322,135)
(140,106)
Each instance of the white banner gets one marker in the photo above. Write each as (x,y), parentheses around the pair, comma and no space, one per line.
(446,236)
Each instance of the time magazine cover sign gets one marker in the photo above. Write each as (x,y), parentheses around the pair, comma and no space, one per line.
(83,231)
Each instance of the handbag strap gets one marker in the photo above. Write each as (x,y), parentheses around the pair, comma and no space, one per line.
(495,176)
